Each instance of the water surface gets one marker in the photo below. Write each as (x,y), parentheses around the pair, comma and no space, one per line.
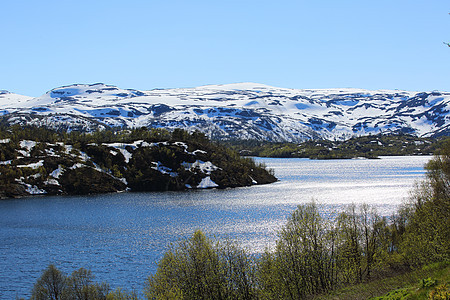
(120,237)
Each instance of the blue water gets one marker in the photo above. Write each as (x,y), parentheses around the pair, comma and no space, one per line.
(121,237)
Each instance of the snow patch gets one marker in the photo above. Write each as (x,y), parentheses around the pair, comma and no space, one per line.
(182,144)
(121,147)
(207,183)
(68,148)
(158,166)
(51,152)
(27,144)
(33,166)
(126,154)
(58,172)
(51,181)
(84,156)
(77,165)
(205,167)
(34,190)
(199,151)
(24,153)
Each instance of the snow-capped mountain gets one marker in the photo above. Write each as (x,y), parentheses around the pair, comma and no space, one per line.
(242,110)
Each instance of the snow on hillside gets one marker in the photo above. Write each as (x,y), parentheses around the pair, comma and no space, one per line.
(241,110)
(8,99)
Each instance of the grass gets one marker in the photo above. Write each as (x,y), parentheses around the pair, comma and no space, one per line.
(425,283)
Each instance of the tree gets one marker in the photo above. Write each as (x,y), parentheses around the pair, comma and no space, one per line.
(50,286)
(427,231)
(374,238)
(54,285)
(301,263)
(349,260)
(81,286)
(198,268)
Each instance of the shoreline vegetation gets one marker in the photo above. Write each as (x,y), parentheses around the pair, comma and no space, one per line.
(354,254)
(371,147)
(39,161)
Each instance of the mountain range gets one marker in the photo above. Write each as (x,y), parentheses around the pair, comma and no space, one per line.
(236,111)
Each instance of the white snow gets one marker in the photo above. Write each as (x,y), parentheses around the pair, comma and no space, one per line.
(50,152)
(51,181)
(77,165)
(182,144)
(244,109)
(126,154)
(207,183)
(145,144)
(68,148)
(83,156)
(121,147)
(34,190)
(8,99)
(205,167)
(4,141)
(57,172)
(33,165)
(163,169)
(199,151)
(24,153)
(27,144)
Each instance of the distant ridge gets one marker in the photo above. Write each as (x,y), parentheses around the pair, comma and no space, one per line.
(236,111)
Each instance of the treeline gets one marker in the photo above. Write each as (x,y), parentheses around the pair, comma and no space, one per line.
(314,253)
(43,134)
(365,146)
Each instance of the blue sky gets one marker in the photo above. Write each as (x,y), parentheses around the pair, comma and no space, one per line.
(394,44)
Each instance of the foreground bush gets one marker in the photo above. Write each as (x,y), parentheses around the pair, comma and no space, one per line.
(80,285)
(198,268)
(301,262)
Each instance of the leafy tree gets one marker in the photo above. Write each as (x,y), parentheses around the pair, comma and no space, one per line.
(198,268)
(427,230)
(50,285)
(301,264)
(81,286)
(375,235)
(349,260)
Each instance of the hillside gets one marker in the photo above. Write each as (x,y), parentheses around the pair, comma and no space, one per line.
(236,111)
(35,161)
(364,146)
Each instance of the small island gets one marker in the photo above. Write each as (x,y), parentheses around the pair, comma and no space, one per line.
(39,161)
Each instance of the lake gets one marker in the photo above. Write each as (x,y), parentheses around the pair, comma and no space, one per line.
(121,237)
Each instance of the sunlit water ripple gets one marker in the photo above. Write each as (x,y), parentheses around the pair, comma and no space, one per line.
(120,237)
